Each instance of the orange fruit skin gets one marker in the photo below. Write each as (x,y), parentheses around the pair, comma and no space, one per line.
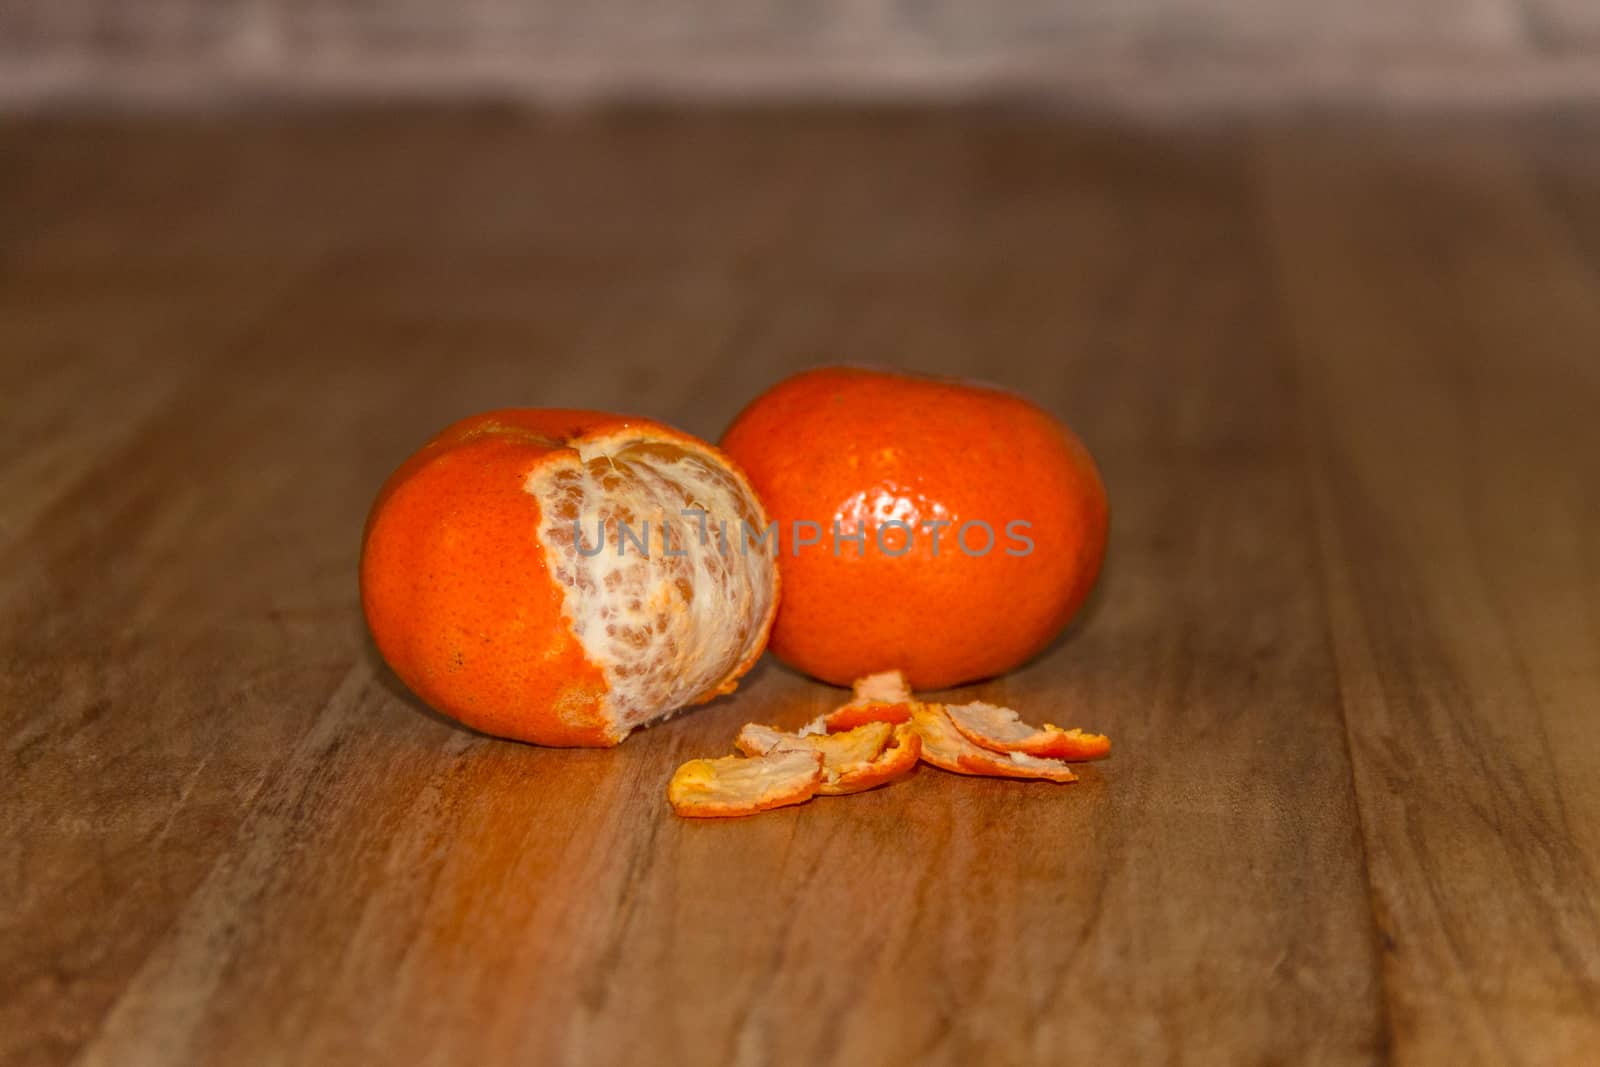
(847,443)
(852,715)
(455,586)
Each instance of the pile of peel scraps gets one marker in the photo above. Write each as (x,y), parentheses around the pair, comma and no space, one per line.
(875,738)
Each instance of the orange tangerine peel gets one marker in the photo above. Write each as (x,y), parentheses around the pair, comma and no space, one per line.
(851,716)
(1002,730)
(853,760)
(879,735)
(885,687)
(883,697)
(948,749)
(897,758)
(738,785)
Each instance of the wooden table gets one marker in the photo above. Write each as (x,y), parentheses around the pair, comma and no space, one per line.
(1343,378)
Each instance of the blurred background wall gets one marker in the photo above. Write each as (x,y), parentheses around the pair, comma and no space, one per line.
(1161,52)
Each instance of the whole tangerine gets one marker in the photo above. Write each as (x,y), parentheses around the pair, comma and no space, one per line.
(532,574)
(945,528)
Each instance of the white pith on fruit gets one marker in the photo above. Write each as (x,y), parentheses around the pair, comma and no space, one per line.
(665,629)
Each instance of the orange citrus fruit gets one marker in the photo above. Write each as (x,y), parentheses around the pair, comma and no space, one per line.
(944,528)
(558,576)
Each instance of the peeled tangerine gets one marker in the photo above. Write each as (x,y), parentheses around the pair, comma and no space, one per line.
(874,738)
(564,577)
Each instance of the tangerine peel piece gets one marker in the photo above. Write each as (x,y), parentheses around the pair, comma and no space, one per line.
(850,758)
(851,716)
(946,748)
(883,697)
(887,687)
(898,757)
(1002,730)
(736,785)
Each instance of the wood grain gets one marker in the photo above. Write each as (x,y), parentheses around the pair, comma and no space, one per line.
(1339,375)
(1458,522)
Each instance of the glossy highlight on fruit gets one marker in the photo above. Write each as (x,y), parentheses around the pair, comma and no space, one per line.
(946,528)
(499,587)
